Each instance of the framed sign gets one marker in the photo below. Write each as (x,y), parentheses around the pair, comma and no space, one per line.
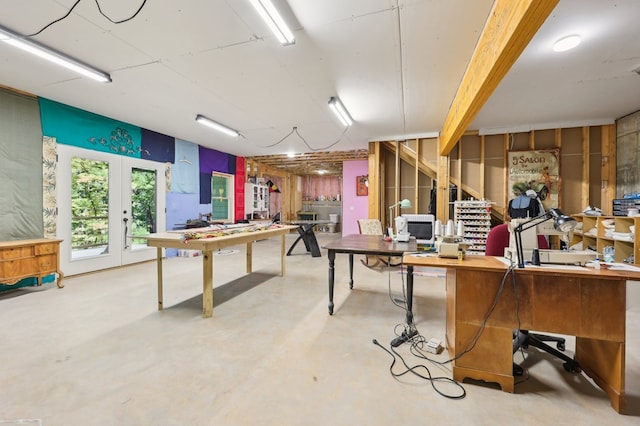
(538,170)
(362,185)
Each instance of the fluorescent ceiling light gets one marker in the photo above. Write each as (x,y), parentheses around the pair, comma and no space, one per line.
(274,21)
(217,126)
(566,43)
(340,111)
(51,55)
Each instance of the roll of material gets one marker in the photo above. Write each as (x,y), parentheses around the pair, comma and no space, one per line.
(460,229)
(438,228)
(449,231)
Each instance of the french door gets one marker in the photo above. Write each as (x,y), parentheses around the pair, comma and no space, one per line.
(104,201)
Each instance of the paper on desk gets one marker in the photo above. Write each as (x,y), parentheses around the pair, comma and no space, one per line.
(552,266)
(622,267)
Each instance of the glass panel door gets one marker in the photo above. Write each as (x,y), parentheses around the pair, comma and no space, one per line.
(143,207)
(104,202)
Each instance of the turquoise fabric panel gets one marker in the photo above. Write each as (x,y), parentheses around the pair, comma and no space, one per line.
(185,173)
(28,282)
(73,126)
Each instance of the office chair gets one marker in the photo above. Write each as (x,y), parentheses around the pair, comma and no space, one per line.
(374,227)
(497,241)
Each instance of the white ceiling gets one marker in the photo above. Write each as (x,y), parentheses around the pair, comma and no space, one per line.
(396,65)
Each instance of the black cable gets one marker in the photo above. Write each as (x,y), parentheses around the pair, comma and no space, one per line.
(295,130)
(416,346)
(122,20)
(414,370)
(99,9)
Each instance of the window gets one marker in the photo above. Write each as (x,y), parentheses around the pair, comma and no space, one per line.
(222,196)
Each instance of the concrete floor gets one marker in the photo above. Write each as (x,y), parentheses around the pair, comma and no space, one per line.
(98,352)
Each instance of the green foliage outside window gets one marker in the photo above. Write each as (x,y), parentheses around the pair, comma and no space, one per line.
(221,191)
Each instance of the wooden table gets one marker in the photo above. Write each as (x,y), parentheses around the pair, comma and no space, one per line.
(586,303)
(208,245)
(307,235)
(30,258)
(373,245)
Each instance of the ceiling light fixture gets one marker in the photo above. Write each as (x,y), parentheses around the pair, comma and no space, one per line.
(566,43)
(274,21)
(340,111)
(51,55)
(217,126)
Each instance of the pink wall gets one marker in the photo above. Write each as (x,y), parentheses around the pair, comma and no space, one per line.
(353,207)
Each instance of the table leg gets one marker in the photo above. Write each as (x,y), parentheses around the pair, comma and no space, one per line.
(207,284)
(351,271)
(409,295)
(159,270)
(332,257)
(311,242)
(282,261)
(249,257)
(300,237)
(304,232)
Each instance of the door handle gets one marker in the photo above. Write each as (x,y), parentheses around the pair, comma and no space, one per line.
(126,223)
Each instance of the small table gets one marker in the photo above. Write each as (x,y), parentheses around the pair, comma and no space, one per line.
(308,236)
(373,245)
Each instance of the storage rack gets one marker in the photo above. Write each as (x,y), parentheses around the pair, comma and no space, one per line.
(476,218)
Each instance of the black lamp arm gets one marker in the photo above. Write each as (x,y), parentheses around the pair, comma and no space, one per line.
(523,227)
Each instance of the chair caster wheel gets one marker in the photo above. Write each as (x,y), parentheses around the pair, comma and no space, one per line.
(572,367)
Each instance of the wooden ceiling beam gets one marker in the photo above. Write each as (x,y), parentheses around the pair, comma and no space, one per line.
(509,28)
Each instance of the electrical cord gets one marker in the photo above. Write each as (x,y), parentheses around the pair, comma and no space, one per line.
(414,370)
(295,130)
(416,347)
(99,9)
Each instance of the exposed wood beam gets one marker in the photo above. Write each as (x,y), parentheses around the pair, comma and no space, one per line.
(406,154)
(586,171)
(508,30)
(608,191)
(376,179)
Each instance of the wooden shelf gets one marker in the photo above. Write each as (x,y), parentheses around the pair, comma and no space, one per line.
(620,236)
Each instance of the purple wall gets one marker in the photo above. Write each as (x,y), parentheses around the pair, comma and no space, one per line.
(353,207)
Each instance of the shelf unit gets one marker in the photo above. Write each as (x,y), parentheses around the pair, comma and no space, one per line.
(476,218)
(597,240)
(256,201)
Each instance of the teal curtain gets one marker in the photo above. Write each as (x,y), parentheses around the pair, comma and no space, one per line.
(73,126)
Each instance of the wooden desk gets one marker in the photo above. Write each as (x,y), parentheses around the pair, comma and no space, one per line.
(586,303)
(373,245)
(30,258)
(208,245)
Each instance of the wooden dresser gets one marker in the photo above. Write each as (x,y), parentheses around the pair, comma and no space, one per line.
(29,258)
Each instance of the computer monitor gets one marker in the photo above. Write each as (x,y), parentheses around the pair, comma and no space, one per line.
(421,226)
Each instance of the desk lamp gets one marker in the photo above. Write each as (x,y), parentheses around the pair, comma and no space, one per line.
(404,204)
(562,223)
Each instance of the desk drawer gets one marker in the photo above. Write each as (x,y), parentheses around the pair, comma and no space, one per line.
(16,252)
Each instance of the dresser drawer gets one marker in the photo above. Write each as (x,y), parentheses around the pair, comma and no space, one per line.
(11,269)
(31,266)
(16,252)
(46,248)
